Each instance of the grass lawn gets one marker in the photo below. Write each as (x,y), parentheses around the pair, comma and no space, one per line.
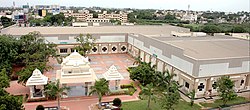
(142,105)
(217,103)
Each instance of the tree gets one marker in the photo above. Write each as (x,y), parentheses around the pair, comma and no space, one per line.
(101,87)
(33,52)
(238,29)
(168,89)
(6,21)
(170,96)
(40,107)
(9,102)
(117,102)
(55,91)
(86,43)
(225,89)
(4,80)
(144,73)
(211,29)
(192,97)
(149,92)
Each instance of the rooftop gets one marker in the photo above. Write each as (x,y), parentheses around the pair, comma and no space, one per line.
(203,48)
(145,30)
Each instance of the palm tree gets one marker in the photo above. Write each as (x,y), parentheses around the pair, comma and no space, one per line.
(101,87)
(164,78)
(148,91)
(137,61)
(55,91)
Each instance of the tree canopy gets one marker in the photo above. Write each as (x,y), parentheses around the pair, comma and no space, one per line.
(86,43)
(225,89)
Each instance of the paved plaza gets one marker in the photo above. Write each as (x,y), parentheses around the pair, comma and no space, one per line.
(77,99)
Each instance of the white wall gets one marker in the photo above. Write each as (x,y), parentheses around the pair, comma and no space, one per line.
(111,39)
(174,60)
(222,69)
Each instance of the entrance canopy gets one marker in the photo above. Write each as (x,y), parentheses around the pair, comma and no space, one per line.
(112,74)
(37,78)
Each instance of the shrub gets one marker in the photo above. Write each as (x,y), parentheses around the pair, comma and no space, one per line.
(117,102)
(40,107)
(119,92)
(37,100)
(126,86)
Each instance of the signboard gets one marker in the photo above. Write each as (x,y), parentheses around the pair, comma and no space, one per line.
(154,55)
(63,42)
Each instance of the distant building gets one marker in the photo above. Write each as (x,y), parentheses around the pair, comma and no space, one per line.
(26,8)
(55,9)
(42,12)
(123,17)
(82,15)
(19,17)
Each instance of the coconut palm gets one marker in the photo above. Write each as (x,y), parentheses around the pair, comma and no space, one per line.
(149,92)
(55,91)
(101,87)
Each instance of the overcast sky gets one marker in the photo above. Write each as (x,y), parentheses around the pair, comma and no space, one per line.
(198,5)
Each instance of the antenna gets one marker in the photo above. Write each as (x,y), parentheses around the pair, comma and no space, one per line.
(188,8)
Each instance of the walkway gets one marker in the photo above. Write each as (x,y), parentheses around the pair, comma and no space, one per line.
(83,103)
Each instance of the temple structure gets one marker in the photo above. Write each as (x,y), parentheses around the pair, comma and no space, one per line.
(36,84)
(113,74)
(75,69)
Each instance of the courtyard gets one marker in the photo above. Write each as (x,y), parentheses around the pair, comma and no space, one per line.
(100,64)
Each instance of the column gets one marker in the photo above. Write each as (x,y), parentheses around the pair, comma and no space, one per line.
(208,87)
(247,84)
(163,66)
(89,87)
(31,91)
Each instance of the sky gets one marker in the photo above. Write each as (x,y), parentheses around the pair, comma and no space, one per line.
(197,5)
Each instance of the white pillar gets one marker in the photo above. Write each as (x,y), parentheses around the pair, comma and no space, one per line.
(31,91)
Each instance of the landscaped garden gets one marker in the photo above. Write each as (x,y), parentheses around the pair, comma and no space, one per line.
(218,103)
(142,105)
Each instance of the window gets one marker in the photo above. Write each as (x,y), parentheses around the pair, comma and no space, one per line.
(242,82)
(186,85)
(104,49)
(63,50)
(69,71)
(94,49)
(114,49)
(123,48)
(201,87)
(214,85)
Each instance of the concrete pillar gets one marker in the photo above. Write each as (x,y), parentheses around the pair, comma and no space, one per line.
(247,84)
(208,84)
(196,81)
(31,91)
(163,67)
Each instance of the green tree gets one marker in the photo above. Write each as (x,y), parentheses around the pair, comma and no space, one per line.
(6,21)
(86,43)
(192,97)
(101,87)
(170,96)
(4,80)
(9,102)
(55,91)
(144,73)
(238,29)
(211,29)
(149,92)
(168,89)
(225,89)
(8,52)
(33,52)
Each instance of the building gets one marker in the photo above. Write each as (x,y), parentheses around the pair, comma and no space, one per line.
(197,60)
(81,16)
(75,69)
(123,17)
